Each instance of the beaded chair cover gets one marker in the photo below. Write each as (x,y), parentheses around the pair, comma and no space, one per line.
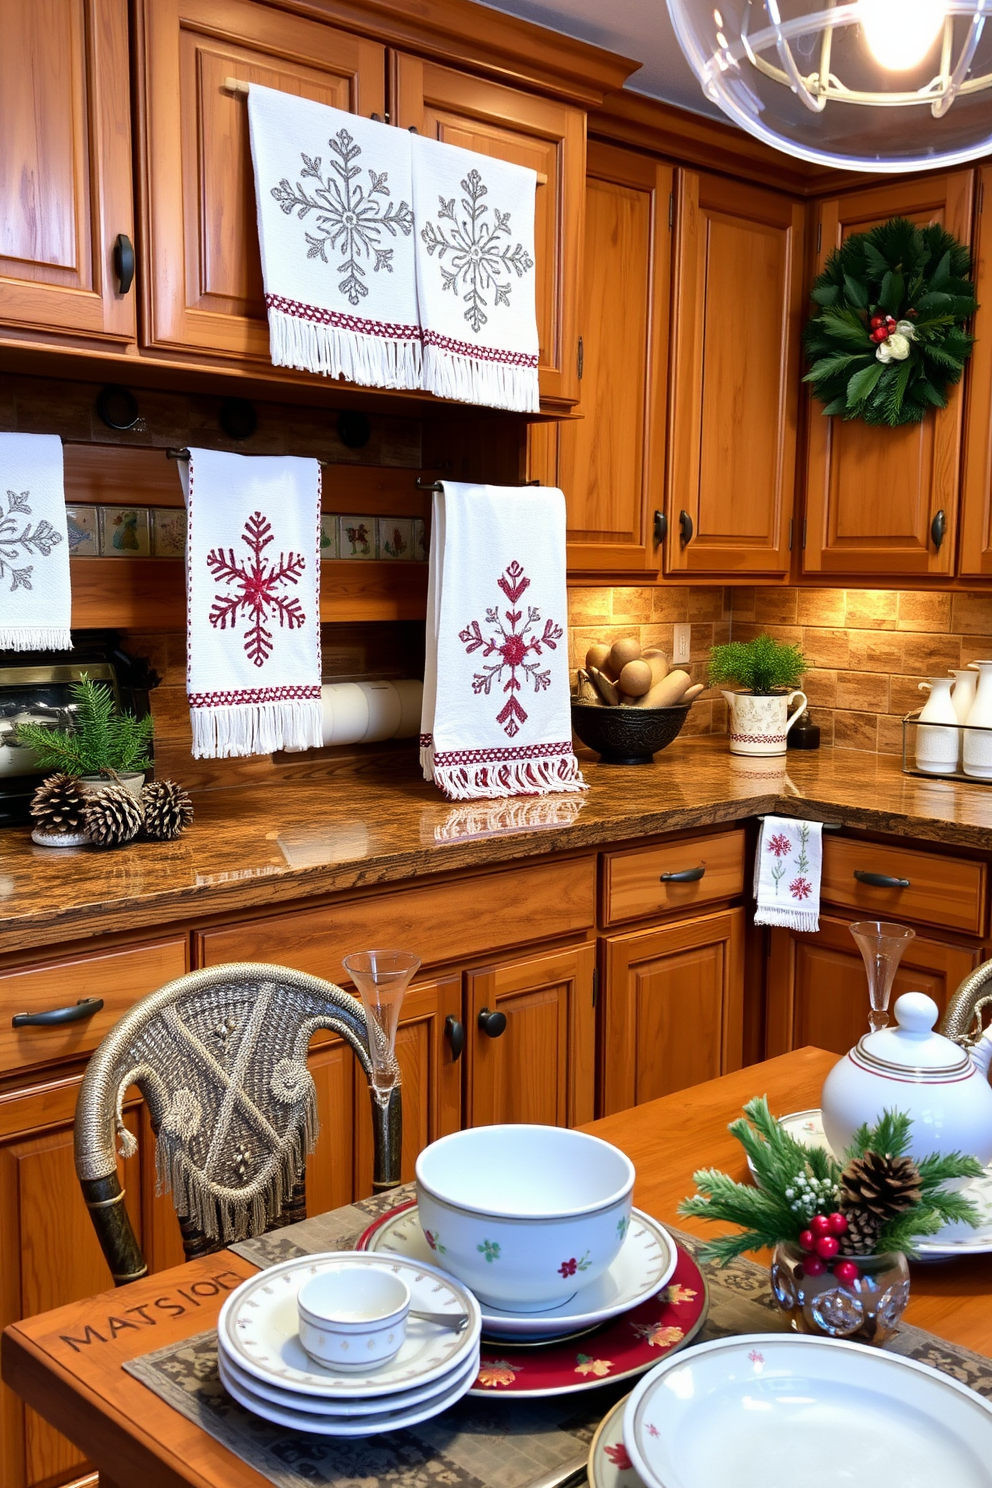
(220,1057)
(970,1008)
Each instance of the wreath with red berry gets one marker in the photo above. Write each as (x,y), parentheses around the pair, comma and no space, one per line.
(890,336)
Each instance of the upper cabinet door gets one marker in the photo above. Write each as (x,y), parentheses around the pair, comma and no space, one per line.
(736,318)
(611,462)
(874,493)
(202,289)
(65,167)
(976,486)
(527,130)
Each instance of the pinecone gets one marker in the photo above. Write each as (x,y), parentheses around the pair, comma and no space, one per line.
(112,816)
(881,1184)
(168,810)
(57,806)
(861,1236)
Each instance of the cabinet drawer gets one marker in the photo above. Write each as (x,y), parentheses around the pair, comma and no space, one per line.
(931,888)
(646,882)
(119,978)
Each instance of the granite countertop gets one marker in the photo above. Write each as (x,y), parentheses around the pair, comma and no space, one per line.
(252,846)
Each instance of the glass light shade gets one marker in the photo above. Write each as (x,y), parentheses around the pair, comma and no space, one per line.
(877,85)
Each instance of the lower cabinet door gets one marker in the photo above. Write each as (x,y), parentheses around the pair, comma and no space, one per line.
(538,1065)
(673,1007)
(818,992)
(49,1255)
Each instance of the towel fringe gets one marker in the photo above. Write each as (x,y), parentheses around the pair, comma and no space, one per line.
(333,351)
(255,728)
(35,638)
(506,778)
(806,920)
(466,379)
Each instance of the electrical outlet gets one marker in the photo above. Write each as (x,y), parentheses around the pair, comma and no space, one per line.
(681,636)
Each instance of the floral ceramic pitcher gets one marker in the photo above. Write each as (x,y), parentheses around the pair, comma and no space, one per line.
(760,722)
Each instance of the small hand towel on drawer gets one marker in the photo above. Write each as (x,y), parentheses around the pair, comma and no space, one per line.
(35,601)
(787,873)
(475,275)
(496,718)
(335,225)
(253,613)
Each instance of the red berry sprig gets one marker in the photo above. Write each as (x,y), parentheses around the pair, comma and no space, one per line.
(882,327)
(821,1245)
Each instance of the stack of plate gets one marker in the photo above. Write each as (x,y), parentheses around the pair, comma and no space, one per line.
(264,1367)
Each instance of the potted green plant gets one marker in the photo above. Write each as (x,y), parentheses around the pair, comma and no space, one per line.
(767,674)
(104,742)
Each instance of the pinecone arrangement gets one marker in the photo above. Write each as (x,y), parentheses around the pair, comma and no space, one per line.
(57,807)
(874,1189)
(112,816)
(168,810)
(66,814)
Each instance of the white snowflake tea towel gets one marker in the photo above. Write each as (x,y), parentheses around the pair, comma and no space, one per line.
(787,873)
(475,275)
(335,225)
(35,600)
(496,718)
(253,614)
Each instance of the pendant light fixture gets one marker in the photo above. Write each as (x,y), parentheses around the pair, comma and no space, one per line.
(878,85)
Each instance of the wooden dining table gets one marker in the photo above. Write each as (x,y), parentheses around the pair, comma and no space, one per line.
(67,1363)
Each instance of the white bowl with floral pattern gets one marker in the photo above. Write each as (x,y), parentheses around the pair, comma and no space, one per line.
(524,1215)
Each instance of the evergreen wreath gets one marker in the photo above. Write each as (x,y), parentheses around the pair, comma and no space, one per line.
(889,338)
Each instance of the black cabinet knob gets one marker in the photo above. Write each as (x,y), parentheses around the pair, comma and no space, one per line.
(880,880)
(124,262)
(685,528)
(492,1023)
(938,529)
(454,1032)
(75,1013)
(685,875)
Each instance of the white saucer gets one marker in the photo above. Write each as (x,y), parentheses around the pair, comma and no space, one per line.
(954,1239)
(760,1410)
(259,1327)
(609,1464)
(645,1262)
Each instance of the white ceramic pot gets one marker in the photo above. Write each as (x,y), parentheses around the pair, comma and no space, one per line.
(913,1069)
(936,746)
(978,736)
(760,722)
(353,1318)
(131,780)
(963,696)
(524,1215)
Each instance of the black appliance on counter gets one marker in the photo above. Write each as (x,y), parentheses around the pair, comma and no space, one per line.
(36,687)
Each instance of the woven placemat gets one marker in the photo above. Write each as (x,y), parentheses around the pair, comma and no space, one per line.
(479,1443)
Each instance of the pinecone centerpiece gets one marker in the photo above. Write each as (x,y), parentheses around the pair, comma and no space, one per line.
(112,816)
(874,1190)
(168,810)
(58,807)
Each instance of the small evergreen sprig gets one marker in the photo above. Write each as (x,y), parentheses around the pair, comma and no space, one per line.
(763,665)
(795,1182)
(101,739)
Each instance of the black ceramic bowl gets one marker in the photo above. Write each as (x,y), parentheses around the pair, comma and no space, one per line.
(627,736)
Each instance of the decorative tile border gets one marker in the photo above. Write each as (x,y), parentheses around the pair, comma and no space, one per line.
(160,532)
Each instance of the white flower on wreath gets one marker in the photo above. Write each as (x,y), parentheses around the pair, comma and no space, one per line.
(895,348)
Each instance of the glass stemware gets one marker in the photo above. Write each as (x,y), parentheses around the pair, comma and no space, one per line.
(382,978)
(882,944)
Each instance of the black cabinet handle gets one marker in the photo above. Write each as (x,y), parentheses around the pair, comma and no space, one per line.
(124,262)
(881,880)
(938,529)
(685,528)
(84,1008)
(492,1024)
(686,875)
(660,528)
(454,1032)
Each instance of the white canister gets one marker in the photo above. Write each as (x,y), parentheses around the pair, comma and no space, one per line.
(937,747)
(978,734)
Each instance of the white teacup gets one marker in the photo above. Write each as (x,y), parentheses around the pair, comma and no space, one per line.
(353,1317)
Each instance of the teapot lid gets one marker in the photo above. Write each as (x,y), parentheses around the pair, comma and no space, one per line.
(913,1043)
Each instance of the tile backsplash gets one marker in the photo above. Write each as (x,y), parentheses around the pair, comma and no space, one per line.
(868,649)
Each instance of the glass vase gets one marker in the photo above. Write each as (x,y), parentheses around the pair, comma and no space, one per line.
(866,1310)
(382,978)
(881,943)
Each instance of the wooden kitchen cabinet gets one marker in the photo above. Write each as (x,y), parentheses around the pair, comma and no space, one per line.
(611,462)
(737,308)
(975,554)
(202,276)
(542,133)
(65,170)
(817,990)
(874,494)
(673,1007)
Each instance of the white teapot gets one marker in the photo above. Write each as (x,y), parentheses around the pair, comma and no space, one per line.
(940,1085)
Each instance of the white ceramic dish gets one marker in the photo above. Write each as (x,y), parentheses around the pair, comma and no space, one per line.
(330,1405)
(351,1319)
(643,1265)
(321,1425)
(953,1240)
(609,1464)
(259,1326)
(765,1409)
(526,1214)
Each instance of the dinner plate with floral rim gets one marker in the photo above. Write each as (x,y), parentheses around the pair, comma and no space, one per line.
(259,1327)
(645,1262)
(321,1425)
(609,1463)
(619,1349)
(756,1410)
(954,1239)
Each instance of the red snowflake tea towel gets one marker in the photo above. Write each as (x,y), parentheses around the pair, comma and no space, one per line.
(35,601)
(475,275)
(496,718)
(253,614)
(787,873)
(335,227)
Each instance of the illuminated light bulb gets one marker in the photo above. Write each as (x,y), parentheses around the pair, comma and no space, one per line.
(899,33)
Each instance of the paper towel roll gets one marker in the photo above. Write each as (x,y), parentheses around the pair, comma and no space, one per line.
(365,712)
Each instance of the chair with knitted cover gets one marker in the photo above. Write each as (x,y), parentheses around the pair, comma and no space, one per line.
(970,1007)
(220,1057)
